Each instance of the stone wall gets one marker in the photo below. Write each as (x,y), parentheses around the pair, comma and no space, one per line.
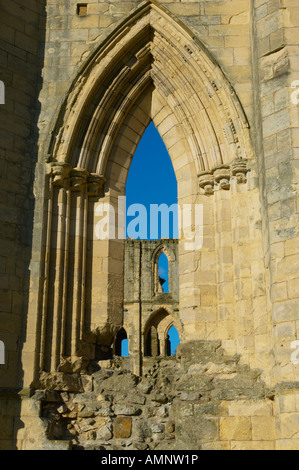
(277,68)
(275,37)
(21,56)
(202,399)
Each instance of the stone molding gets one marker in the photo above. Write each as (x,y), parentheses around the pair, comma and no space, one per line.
(60,173)
(221,176)
(76,179)
(173,62)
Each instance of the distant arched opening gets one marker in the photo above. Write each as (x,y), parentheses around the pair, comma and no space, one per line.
(172,341)
(161,337)
(163,272)
(121,346)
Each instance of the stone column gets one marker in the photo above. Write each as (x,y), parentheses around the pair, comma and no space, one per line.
(54,258)
(79,195)
(63,296)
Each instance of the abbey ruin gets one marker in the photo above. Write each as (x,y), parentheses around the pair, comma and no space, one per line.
(80,83)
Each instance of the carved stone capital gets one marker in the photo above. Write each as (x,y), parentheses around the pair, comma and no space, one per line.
(239,169)
(64,175)
(95,183)
(78,178)
(222,176)
(60,172)
(206,182)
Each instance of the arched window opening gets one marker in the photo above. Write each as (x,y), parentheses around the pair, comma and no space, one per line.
(151,191)
(152,343)
(172,342)
(163,273)
(121,344)
(125,348)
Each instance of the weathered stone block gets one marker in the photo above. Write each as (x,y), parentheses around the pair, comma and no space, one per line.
(196,382)
(122,427)
(206,429)
(287,444)
(104,431)
(116,383)
(247,408)
(127,410)
(289,426)
(235,428)
(61,382)
(253,445)
(263,428)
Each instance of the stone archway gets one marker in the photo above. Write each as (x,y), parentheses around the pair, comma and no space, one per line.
(151,67)
(150,48)
(162,248)
(120,337)
(156,332)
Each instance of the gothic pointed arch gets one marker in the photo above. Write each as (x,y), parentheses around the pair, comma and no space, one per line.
(163,248)
(118,342)
(156,332)
(172,340)
(150,52)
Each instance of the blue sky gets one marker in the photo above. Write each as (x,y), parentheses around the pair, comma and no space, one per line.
(151,180)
